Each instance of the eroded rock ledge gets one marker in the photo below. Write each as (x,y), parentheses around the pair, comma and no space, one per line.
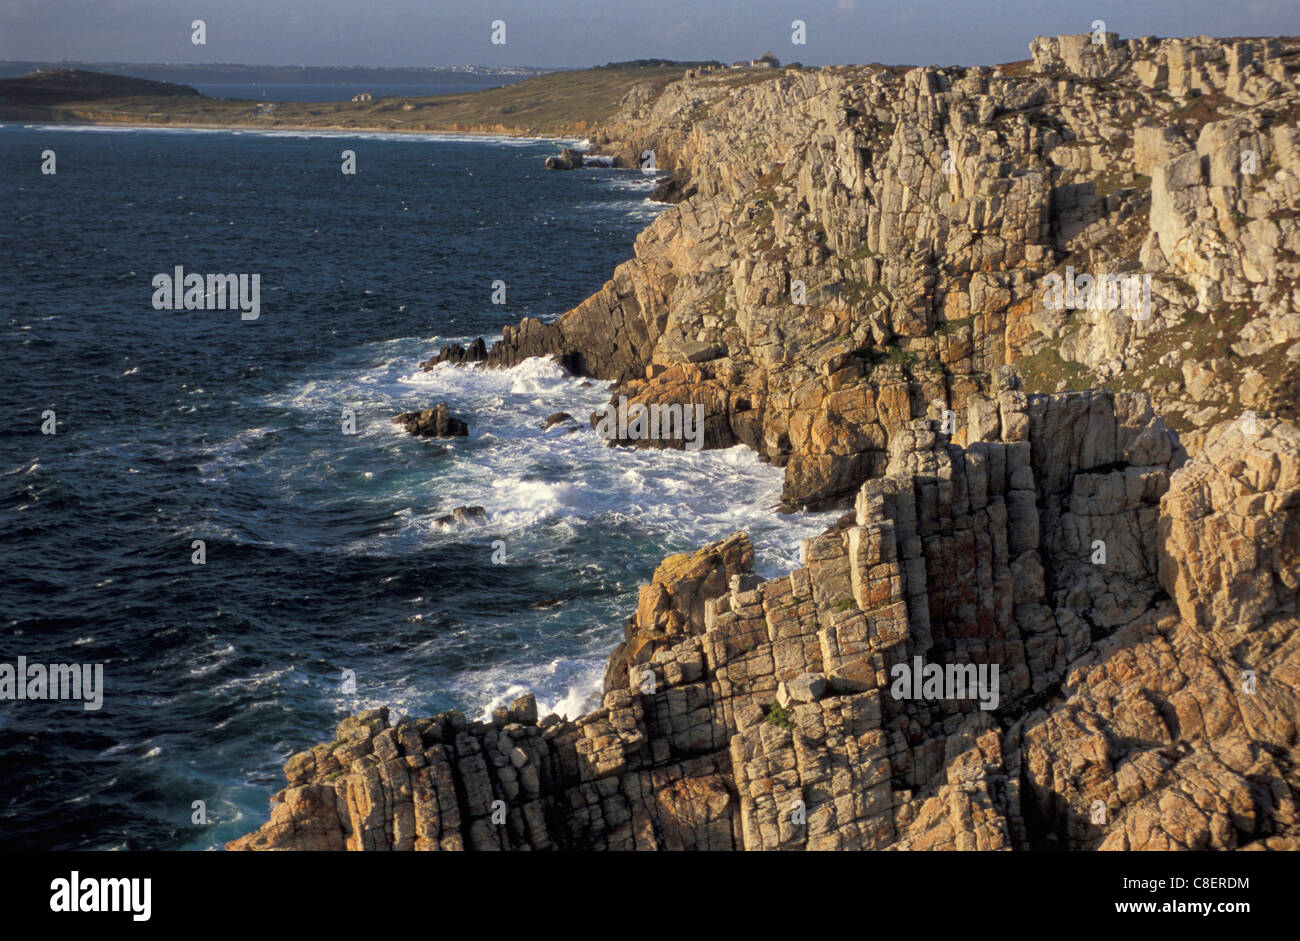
(1124,719)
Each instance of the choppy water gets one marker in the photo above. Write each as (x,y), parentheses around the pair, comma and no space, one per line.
(322,550)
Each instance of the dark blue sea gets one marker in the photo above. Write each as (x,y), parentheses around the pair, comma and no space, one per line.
(323,553)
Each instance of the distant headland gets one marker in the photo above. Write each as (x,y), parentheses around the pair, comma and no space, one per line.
(543,103)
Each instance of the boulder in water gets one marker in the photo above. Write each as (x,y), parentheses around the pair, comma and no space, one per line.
(436,422)
(455,353)
(569,159)
(463,516)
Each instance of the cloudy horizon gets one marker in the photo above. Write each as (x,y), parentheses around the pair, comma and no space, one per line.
(569,34)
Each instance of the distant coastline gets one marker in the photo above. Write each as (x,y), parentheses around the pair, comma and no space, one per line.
(552,105)
(216,73)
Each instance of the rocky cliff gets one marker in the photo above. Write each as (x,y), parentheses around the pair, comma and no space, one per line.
(1055,616)
(923,210)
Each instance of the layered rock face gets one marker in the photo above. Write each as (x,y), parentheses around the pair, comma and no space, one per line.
(1053,617)
(864,246)
(1145,695)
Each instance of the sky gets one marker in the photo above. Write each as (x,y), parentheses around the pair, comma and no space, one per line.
(576,33)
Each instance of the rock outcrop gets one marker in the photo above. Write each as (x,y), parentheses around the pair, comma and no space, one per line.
(436,422)
(863,246)
(463,516)
(1055,616)
(558,418)
(568,159)
(1146,693)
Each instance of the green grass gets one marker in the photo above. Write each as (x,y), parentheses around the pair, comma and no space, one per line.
(778,715)
(1200,109)
(557,104)
(952,326)
(1018,69)
(859,292)
(1044,370)
(741,77)
(892,354)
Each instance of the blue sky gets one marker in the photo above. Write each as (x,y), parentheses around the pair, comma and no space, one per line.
(592,32)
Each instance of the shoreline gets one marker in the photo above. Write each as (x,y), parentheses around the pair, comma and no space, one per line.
(334,130)
(992,461)
(561,105)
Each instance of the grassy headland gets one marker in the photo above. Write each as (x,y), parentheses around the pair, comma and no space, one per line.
(559,104)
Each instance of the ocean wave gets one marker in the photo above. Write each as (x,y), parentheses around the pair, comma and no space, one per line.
(567,687)
(524,476)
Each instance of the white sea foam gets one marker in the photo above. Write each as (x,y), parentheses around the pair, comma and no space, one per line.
(564,686)
(524,476)
(530,481)
(500,140)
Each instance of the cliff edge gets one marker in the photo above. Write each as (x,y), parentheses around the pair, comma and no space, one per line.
(1144,698)
(1055,616)
(863,246)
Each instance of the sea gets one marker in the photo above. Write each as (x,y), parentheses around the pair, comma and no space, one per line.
(227,519)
